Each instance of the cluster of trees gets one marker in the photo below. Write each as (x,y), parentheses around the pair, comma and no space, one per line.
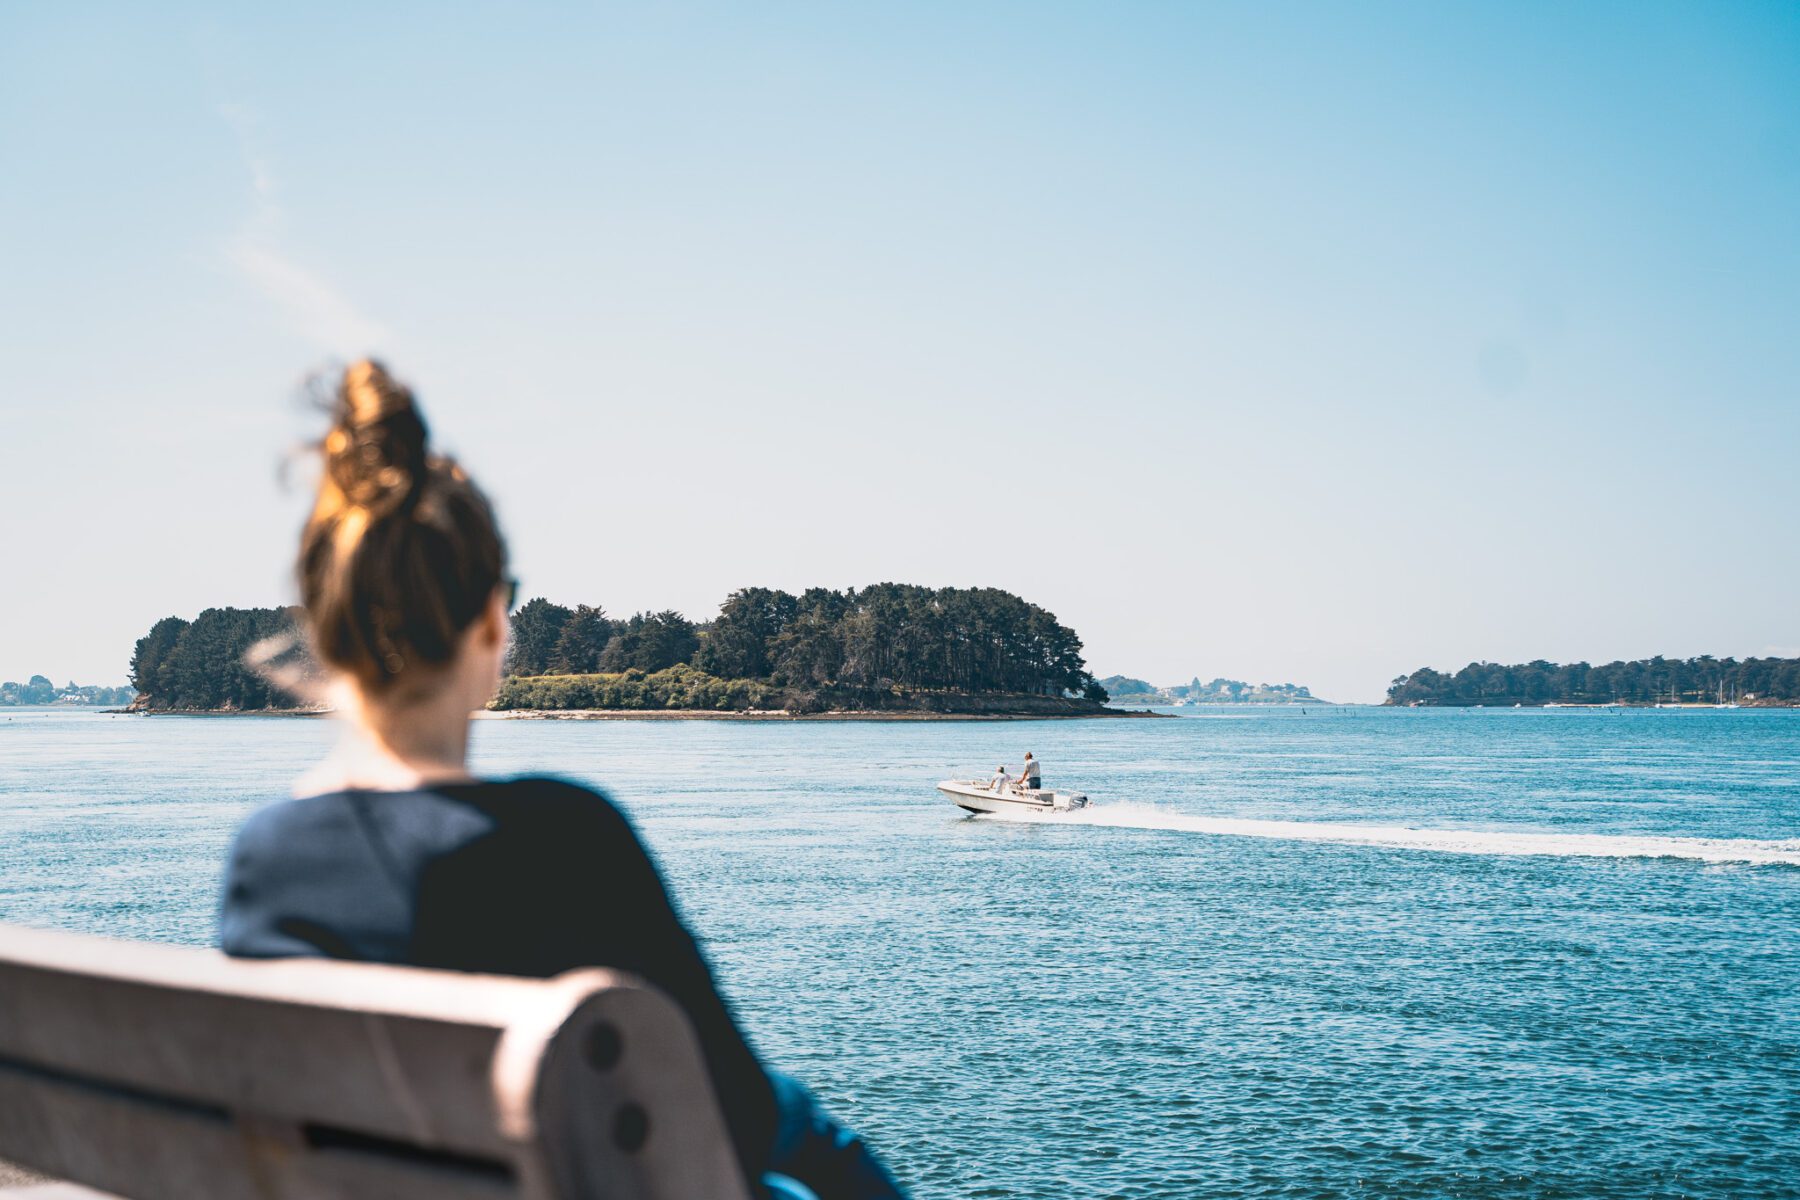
(39,690)
(765,649)
(1220,691)
(199,664)
(1703,680)
(1236,691)
(882,638)
(548,639)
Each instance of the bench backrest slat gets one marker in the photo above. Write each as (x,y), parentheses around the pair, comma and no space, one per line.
(133,1067)
(124,1146)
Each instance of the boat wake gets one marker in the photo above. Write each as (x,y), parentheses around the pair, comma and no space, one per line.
(1783,852)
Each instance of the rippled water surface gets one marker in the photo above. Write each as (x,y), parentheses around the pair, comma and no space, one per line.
(1343,952)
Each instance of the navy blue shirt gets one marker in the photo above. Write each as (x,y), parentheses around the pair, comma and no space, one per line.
(525,877)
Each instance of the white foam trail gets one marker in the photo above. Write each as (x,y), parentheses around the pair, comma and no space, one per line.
(1784,852)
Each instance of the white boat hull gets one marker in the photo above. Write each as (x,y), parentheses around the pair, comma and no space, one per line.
(973,795)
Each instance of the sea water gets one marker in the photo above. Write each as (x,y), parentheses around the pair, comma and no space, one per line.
(1338,952)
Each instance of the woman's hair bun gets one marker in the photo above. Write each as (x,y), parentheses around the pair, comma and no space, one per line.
(402,553)
(376,452)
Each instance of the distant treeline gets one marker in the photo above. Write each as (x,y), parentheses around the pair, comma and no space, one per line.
(1704,680)
(1126,690)
(199,664)
(852,644)
(872,647)
(39,690)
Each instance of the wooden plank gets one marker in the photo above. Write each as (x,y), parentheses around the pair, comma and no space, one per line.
(392,1051)
(366,987)
(134,1145)
(164,1074)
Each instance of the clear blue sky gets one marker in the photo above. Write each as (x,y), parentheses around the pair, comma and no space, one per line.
(1311,343)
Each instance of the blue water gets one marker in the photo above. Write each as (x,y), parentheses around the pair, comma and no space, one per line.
(1351,952)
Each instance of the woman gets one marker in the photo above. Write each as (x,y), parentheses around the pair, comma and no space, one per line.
(395,853)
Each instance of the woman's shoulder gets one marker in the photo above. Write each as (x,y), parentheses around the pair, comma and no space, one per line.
(550,787)
(537,807)
(280,819)
(535,796)
(528,800)
(547,811)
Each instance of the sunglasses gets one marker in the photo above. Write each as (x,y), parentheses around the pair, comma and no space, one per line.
(511,585)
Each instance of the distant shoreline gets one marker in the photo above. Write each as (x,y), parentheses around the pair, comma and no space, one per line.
(223,712)
(1644,704)
(675,714)
(1143,702)
(712,714)
(700,714)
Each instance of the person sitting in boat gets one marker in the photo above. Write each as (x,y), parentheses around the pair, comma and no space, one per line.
(1030,777)
(1001,781)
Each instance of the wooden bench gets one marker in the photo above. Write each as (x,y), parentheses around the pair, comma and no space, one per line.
(179,1074)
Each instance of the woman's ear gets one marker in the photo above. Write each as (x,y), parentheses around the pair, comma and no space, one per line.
(494,622)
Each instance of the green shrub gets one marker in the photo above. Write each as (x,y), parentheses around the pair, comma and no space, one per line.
(677,687)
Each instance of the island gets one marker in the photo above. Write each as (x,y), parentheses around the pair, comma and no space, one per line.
(887,650)
(1123,689)
(1704,682)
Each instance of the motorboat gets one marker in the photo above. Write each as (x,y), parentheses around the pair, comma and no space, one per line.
(977,796)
